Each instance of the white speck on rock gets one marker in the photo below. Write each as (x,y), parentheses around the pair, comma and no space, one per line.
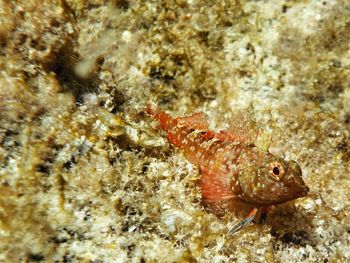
(126,36)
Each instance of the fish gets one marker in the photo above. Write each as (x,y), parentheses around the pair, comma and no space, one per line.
(235,174)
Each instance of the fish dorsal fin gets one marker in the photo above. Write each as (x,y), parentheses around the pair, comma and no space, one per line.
(242,129)
(216,185)
(242,121)
(263,141)
(197,121)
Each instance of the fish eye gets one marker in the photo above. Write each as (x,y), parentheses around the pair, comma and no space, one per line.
(276,170)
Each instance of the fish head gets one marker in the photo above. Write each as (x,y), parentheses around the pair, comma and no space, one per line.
(265,179)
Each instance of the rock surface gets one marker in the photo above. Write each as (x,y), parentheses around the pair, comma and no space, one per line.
(86,177)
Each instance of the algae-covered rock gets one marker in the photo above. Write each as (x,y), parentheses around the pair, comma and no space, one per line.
(86,175)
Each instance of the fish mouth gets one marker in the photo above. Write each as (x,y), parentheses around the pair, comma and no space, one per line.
(295,182)
(290,193)
(303,191)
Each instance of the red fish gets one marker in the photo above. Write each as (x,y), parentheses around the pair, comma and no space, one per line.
(235,174)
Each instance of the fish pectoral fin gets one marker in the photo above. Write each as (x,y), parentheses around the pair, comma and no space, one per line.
(215,185)
(197,121)
(247,220)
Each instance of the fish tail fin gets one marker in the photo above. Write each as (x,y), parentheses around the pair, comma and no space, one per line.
(151,110)
(164,119)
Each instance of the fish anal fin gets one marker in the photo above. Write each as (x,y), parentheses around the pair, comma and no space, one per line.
(197,121)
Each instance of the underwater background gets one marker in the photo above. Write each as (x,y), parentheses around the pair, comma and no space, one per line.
(86,177)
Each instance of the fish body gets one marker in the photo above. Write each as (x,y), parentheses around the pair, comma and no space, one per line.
(234,172)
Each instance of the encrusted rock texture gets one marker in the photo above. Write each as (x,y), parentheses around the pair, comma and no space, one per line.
(86,175)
